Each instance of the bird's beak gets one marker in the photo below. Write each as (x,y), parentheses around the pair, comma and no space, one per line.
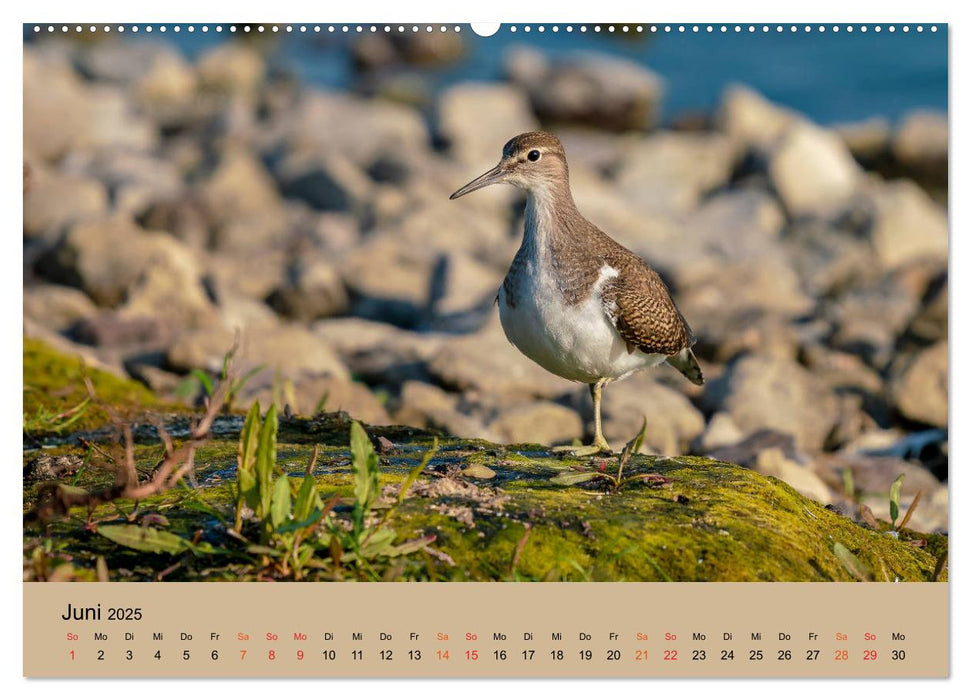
(484,180)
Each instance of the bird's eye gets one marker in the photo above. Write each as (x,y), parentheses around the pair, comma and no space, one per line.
(533,155)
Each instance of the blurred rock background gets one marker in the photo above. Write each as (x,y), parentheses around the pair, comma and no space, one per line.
(172,203)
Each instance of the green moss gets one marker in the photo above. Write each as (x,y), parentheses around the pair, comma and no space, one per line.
(54,386)
(713,521)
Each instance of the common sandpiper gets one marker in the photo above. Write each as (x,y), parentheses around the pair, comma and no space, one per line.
(575,301)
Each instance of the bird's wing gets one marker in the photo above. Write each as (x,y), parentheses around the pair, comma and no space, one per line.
(640,306)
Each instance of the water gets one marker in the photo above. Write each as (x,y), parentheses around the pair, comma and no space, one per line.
(831,77)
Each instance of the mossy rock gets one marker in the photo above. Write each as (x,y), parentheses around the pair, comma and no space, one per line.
(707,521)
(56,398)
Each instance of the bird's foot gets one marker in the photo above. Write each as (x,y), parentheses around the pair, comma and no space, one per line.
(598,447)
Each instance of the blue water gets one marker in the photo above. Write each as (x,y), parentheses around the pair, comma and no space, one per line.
(831,77)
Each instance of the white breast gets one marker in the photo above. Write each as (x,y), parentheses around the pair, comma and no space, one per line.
(577,342)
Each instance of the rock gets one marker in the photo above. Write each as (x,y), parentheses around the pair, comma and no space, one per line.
(931,323)
(310,395)
(668,172)
(313,290)
(324,181)
(869,318)
(813,172)
(486,363)
(167,91)
(54,100)
(52,468)
(672,421)
(380,353)
(920,386)
(426,405)
(291,349)
(136,180)
(376,51)
(721,431)
(478,471)
(921,143)
(828,259)
(747,450)
(478,118)
(867,140)
(240,273)
(116,330)
(239,187)
(772,462)
(751,121)
(777,394)
(732,225)
(233,68)
(106,258)
(542,422)
(56,307)
(766,284)
(589,89)
(359,129)
(55,200)
(907,225)
(112,122)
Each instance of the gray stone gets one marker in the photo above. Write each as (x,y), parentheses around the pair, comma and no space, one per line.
(54,200)
(425,405)
(542,422)
(751,121)
(313,290)
(56,307)
(907,224)
(232,67)
(813,171)
(777,394)
(920,386)
(668,172)
(589,89)
(291,349)
(921,142)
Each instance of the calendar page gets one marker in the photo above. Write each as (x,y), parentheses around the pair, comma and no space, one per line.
(440,350)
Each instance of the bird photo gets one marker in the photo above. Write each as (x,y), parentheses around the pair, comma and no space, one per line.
(687,320)
(575,301)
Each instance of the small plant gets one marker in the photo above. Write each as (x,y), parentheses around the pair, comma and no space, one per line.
(47,421)
(231,384)
(616,483)
(895,505)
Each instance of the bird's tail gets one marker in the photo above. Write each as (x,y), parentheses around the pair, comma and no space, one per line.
(686,363)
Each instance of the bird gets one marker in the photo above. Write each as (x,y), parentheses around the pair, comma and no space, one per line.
(575,301)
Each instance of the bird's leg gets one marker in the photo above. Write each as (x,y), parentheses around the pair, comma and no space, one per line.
(599,442)
(596,393)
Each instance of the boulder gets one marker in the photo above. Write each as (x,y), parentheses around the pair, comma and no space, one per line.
(919,386)
(232,68)
(55,200)
(907,225)
(427,405)
(542,422)
(751,121)
(311,394)
(813,172)
(777,394)
(921,143)
(56,307)
(290,349)
(589,89)
(313,289)
(668,172)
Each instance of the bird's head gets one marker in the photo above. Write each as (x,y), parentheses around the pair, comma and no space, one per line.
(532,161)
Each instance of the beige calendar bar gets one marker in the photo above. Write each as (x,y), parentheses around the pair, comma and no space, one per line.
(483,629)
